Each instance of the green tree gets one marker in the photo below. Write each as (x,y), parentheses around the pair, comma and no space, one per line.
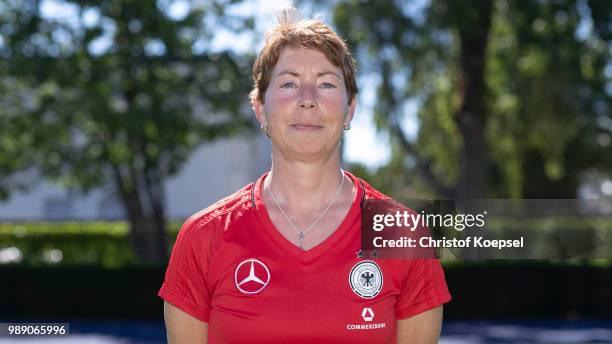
(119,95)
(511,94)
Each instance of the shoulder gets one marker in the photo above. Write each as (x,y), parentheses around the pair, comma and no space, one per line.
(218,217)
(369,191)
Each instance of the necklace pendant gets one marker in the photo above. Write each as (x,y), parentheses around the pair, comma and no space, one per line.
(301,233)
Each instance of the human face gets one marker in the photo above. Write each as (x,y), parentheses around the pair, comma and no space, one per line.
(305,105)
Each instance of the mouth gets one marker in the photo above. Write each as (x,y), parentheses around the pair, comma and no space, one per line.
(306,126)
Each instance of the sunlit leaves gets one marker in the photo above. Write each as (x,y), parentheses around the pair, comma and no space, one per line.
(545,76)
(126,86)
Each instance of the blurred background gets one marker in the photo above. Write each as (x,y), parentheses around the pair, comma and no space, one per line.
(121,118)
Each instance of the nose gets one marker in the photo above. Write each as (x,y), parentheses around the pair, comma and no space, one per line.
(307,96)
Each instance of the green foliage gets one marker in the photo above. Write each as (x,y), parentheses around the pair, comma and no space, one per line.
(146,101)
(79,243)
(542,82)
(117,96)
(544,101)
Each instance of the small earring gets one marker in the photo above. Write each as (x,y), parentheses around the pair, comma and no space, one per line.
(347,126)
(264,128)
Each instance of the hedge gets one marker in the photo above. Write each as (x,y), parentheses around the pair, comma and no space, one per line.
(79,243)
(107,244)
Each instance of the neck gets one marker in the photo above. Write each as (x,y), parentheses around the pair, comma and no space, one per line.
(304,185)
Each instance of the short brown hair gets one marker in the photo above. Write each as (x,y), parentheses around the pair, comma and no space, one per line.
(311,34)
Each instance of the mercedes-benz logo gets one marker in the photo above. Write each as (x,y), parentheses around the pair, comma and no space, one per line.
(251,276)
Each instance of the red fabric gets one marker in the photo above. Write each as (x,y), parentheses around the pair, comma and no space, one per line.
(306,296)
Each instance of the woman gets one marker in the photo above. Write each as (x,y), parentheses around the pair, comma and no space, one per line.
(276,261)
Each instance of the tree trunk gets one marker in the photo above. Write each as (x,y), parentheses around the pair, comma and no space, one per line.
(471,115)
(145,230)
(155,193)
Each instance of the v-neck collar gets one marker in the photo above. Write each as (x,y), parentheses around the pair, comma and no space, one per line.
(339,235)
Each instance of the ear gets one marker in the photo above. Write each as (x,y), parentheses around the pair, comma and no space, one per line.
(350,111)
(258,108)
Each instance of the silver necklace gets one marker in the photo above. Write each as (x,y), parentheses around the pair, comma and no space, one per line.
(300,234)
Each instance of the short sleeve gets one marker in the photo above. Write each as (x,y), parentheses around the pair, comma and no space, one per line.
(424,288)
(185,281)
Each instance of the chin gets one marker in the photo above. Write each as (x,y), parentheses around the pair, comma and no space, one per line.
(313,150)
(311,147)
(309,151)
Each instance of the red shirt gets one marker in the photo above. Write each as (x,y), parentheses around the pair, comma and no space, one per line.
(230,267)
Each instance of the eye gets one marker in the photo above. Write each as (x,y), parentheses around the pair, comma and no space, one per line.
(288,85)
(327,85)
